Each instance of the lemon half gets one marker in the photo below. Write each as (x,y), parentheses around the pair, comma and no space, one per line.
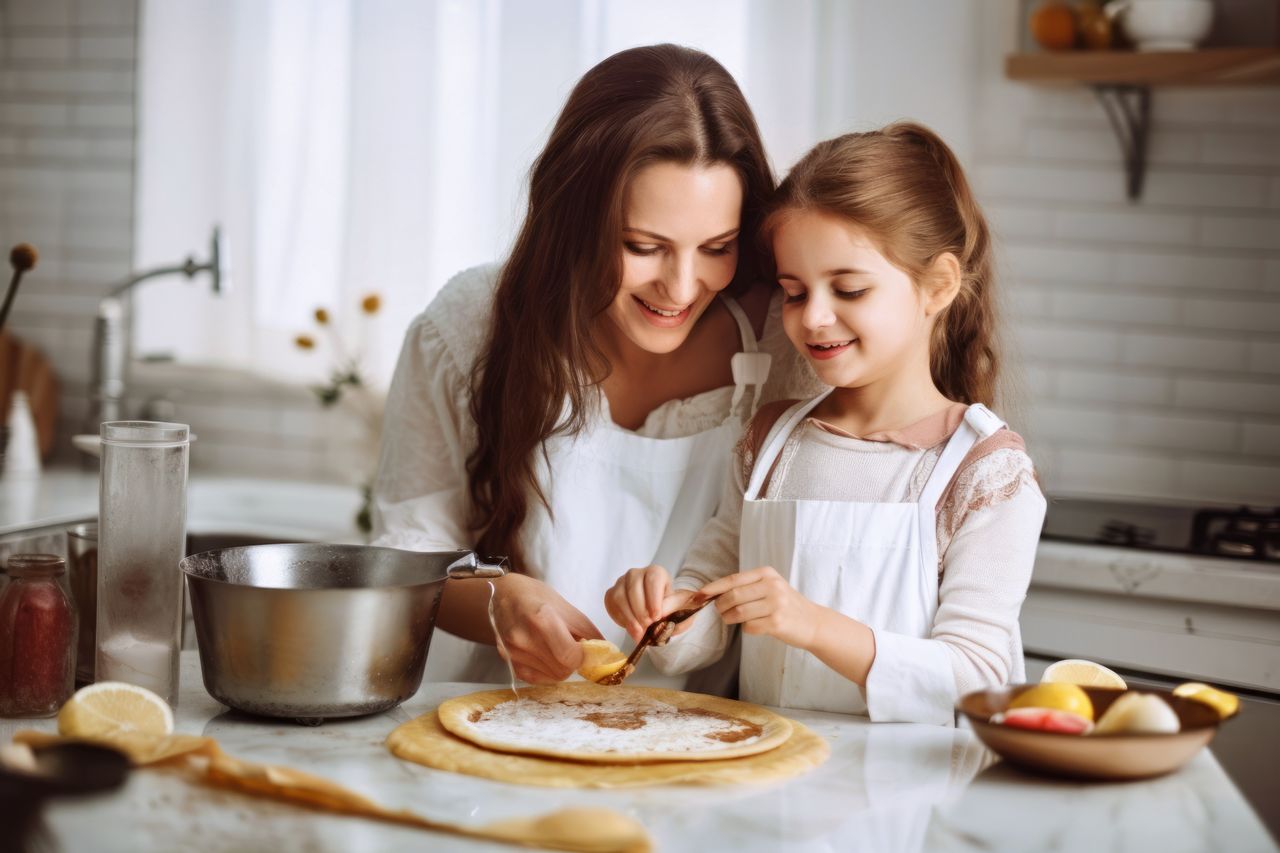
(113,708)
(1086,673)
(1058,697)
(600,659)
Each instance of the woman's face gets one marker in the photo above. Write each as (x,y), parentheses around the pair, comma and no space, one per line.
(856,316)
(679,249)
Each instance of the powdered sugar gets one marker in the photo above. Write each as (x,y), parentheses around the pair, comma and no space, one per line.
(630,724)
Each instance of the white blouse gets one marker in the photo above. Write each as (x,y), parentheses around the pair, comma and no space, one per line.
(420,497)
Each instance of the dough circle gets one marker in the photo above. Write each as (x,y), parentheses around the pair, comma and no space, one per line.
(425,741)
(709,727)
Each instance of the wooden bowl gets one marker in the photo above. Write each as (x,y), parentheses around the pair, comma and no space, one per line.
(1110,756)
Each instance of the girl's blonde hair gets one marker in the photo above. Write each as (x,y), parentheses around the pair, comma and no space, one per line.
(904,185)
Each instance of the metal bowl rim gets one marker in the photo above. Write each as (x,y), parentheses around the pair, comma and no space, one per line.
(187,566)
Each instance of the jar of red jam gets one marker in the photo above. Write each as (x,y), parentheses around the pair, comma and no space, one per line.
(37,638)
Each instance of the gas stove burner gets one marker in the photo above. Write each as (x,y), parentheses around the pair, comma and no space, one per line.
(1245,533)
(1237,533)
(1116,532)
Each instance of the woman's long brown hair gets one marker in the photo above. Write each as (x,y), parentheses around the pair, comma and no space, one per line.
(904,185)
(646,105)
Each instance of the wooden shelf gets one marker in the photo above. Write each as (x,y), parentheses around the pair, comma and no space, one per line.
(1234,66)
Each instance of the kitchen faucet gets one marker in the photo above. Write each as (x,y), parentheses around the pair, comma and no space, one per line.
(112,332)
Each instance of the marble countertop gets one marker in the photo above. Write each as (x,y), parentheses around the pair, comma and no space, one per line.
(886,787)
(215,504)
(1146,573)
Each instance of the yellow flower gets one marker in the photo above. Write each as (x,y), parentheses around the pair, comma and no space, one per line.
(371,303)
(322,317)
(305,342)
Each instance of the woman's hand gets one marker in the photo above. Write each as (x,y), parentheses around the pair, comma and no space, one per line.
(764,603)
(642,596)
(540,629)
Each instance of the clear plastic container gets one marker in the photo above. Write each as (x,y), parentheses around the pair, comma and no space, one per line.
(142,525)
(37,638)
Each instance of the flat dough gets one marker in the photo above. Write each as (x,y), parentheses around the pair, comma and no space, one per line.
(425,741)
(580,721)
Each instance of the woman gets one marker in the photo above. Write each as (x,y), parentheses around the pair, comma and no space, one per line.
(574,409)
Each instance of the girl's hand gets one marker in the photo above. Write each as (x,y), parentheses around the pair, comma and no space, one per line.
(642,596)
(764,603)
(540,629)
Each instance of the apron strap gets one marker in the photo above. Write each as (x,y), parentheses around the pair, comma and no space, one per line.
(979,423)
(775,440)
(750,367)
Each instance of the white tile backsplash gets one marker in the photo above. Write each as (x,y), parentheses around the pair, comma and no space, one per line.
(1241,232)
(1200,271)
(1243,398)
(1159,366)
(1219,189)
(1261,314)
(1191,351)
(1126,226)
(1113,386)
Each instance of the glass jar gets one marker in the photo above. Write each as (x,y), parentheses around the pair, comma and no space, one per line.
(37,638)
(142,527)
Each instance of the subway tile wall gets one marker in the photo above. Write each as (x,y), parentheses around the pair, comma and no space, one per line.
(67,73)
(1147,335)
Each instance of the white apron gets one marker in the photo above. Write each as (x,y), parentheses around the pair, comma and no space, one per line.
(620,501)
(874,562)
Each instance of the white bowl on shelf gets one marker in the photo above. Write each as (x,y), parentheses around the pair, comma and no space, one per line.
(1155,25)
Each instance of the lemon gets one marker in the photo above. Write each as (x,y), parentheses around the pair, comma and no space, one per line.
(1058,697)
(1083,672)
(600,658)
(1221,701)
(112,708)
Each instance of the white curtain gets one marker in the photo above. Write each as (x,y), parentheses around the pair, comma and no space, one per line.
(357,146)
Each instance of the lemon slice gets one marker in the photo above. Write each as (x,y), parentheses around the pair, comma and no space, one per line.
(1086,673)
(1226,704)
(600,658)
(114,708)
(1057,697)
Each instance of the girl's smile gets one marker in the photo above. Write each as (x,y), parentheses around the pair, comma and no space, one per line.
(829,349)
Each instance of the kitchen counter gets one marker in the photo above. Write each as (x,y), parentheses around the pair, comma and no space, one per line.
(886,787)
(284,509)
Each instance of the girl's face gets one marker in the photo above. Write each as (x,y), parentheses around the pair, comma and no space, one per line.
(854,315)
(679,249)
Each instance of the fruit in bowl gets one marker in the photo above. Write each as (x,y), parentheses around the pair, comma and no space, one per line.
(1138,713)
(1139,738)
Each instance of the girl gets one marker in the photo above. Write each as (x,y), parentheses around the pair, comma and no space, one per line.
(885,530)
(575,408)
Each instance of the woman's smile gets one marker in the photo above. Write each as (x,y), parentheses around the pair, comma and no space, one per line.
(662,316)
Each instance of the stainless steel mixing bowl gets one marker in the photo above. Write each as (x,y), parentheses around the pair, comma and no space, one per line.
(315,631)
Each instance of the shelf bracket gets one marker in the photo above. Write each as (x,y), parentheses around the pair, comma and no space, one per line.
(1128,108)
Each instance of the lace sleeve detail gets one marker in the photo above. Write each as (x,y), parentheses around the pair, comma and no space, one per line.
(989,481)
(748,446)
